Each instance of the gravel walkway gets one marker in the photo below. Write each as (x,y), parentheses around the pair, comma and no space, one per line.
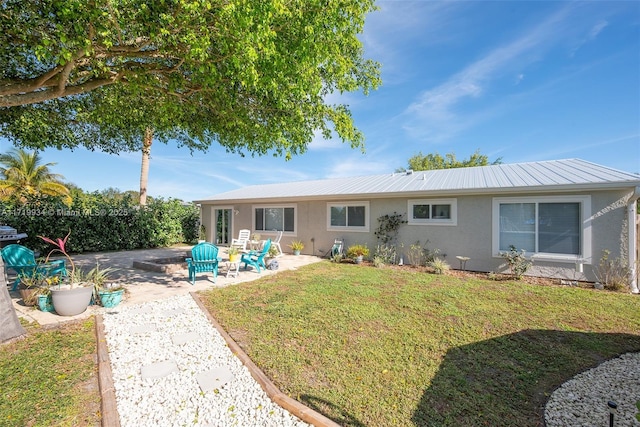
(582,401)
(171,367)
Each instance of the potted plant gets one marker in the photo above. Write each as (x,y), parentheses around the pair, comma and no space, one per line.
(29,287)
(357,252)
(296,246)
(106,294)
(74,297)
(234,253)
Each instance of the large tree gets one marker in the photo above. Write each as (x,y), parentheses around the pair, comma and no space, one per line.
(422,162)
(252,76)
(24,176)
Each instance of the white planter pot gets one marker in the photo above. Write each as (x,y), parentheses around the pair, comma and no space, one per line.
(70,302)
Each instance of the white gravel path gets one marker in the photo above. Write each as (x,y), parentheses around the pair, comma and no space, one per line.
(582,401)
(172,342)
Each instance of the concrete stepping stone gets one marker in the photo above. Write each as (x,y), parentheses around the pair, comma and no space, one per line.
(145,309)
(158,370)
(180,339)
(214,379)
(171,313)
(147,327)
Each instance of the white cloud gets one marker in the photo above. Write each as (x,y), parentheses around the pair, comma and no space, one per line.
(434,114)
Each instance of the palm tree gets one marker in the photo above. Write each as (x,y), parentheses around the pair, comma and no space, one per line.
(24,176)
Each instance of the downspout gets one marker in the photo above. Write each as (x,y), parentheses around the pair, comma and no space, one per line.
(633,239)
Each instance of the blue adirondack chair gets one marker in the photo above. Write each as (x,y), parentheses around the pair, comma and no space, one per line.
(204,259)
(22,260)
(255,258)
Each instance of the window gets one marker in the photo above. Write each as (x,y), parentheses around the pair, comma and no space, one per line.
(551,227)
(437,212)
(348,216)
(279,218)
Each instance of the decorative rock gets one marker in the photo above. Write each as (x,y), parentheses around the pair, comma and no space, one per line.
(139,336)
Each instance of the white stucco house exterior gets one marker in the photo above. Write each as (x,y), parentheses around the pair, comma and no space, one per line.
(564,213)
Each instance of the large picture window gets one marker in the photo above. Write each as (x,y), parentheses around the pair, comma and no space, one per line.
(278,218)
(348,216)
(554,227)
(433,211)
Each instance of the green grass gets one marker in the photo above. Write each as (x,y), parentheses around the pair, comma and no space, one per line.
(50,378)
(391,347)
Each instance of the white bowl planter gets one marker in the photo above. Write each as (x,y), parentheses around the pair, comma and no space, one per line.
(70,302)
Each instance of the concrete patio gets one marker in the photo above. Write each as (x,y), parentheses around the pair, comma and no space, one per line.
(143,286)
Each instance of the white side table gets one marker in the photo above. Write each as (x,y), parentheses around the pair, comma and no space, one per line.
(233,268)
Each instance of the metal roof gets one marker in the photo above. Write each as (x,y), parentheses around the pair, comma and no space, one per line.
(554,175)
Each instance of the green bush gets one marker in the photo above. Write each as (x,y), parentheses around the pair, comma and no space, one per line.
(103,222)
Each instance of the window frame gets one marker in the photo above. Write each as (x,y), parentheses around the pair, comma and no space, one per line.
(276,206)
(367,214)
(585,226)
(453,209)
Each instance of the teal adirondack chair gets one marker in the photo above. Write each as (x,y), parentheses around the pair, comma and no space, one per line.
(22,260)
(256,259)
(204,259)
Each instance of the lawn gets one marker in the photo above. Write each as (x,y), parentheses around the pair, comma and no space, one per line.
(49,378)
(397,347)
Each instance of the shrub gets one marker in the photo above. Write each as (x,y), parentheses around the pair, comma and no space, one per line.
(419,255)
(378,262)
(104,222)
(439,265)
(613,273)
(387,254)
(518,263)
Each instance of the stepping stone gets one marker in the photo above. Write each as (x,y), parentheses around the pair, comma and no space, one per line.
(214,379)
(145,309)
(158,370)
(147,327)
(180,339)
(174,312)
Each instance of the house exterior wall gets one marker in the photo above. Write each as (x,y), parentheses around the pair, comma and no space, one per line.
(471,236)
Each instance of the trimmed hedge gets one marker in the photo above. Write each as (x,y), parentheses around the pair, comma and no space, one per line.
(100,222)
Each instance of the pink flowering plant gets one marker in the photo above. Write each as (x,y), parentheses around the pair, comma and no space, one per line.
(60,247)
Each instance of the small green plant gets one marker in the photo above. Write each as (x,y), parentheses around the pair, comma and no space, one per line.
(357,250)
(638,413)
(99,276)
(439,265)
(517,261)
(613,273)
(337,258)
(378,261)
(296,245)
(421,255)
(233,250)
(387,254)
(273,251)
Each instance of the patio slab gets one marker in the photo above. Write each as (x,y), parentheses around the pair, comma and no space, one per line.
(144,286)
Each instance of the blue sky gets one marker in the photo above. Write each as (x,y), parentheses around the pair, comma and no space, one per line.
(521,80)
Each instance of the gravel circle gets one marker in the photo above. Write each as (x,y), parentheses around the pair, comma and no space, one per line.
(582,401)
(174,337)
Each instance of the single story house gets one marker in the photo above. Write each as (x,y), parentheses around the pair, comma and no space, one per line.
(563,213)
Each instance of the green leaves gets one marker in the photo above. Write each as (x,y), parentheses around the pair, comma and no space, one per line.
(251,76)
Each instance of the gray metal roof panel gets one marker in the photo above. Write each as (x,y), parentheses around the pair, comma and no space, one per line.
(504,177)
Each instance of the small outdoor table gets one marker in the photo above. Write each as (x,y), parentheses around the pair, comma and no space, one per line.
(233,268)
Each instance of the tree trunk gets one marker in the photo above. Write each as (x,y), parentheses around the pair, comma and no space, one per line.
(144,172)
(10,326)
